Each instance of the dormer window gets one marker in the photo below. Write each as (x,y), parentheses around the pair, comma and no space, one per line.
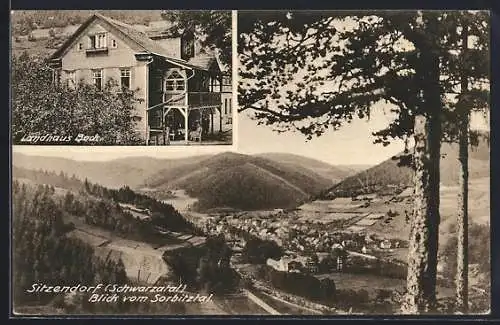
(97,44)
(97,41)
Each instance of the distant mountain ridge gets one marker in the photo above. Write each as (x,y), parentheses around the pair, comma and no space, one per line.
(388,174)
(131,171)
(177,177)
(333,172)
(222,180)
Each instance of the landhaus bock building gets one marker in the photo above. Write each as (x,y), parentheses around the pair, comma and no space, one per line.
(185,96)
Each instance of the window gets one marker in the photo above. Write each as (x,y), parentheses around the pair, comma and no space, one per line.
(97,41)
(97,78)
(113,44)
(229,106)
(226,84)
(225,105)
(71,78)
(175,82)
(125,78)
(80,46)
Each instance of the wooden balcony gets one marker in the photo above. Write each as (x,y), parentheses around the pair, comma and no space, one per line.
(203,99)
(178,99)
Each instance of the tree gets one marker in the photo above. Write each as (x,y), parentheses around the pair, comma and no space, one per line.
(472,76)
(213,27)
(312,73)
(478,252)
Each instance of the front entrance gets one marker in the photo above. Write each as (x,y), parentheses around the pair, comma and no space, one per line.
(168,125)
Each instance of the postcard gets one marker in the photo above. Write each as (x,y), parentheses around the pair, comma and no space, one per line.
(357,180)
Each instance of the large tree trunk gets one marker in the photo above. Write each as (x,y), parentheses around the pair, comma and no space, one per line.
(422,254)
(462,276)
(424,232)
(462,220)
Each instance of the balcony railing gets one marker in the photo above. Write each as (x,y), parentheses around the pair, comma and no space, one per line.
(201,99)
(195,99)
(100,50)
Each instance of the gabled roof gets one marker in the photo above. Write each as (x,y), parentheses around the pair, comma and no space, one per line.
(128,31)
(204,60)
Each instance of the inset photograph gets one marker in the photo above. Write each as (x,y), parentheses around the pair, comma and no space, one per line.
(121,77)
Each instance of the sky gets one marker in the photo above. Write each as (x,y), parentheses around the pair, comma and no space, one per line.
(352,144)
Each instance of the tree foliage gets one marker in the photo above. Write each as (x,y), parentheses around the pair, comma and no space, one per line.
(43,254)
(479,252)
(25,21)
(213,28)
(258,251)
(315,72)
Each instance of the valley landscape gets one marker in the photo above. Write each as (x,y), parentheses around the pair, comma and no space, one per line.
(293,208)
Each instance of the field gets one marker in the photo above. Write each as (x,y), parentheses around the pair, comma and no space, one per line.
(143,261)
(337,205)
(87,237)
(373,283)
(181,200)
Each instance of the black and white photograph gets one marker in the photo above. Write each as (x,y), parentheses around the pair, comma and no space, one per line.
(406,92)
(118,77)
(359,183)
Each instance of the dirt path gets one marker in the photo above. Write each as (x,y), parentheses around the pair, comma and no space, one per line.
(261,303)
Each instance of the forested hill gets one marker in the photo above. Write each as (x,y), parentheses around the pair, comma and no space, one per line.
(115,173)
(388,176)
(55,238)
(24,21)
(223,180)
(38,224)
(98,205)
(243,182)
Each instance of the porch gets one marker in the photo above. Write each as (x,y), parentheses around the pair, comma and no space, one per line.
(185,103)
(189,118)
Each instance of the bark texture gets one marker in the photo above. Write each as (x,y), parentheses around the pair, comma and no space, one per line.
(424,232)
(462,276)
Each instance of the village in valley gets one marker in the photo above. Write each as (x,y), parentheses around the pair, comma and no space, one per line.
(350,250)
